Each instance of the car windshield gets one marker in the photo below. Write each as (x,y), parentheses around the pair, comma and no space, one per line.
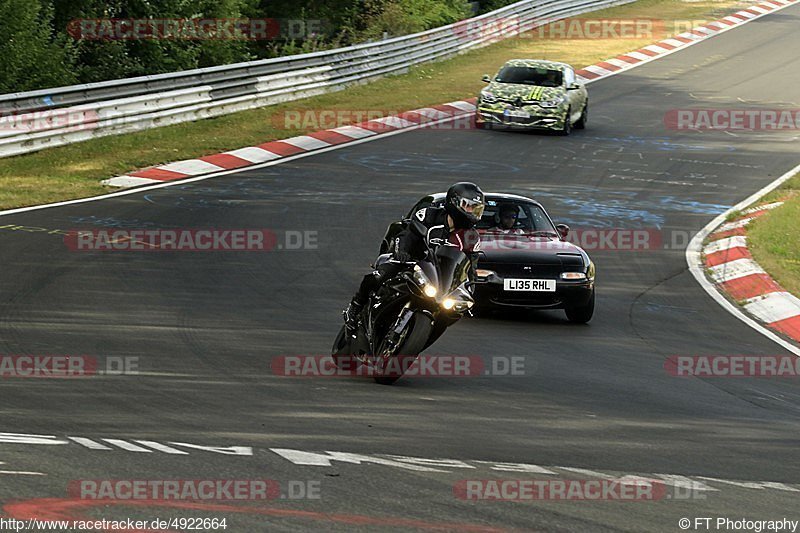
(530,76)
(516,217)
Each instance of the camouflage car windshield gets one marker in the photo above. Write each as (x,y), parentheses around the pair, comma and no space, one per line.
(530,76)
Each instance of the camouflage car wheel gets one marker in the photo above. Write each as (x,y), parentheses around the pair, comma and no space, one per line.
(567,129)
(581,124)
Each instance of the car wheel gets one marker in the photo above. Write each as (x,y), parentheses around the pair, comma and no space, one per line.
(581,314)
(581,124)
(567,129)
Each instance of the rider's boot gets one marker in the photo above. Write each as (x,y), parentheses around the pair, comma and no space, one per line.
(351,315)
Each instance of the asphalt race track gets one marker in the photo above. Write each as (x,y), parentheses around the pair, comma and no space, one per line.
(205,328)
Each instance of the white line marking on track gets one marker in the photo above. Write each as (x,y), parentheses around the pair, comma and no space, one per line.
(89,443)
(20,473)
(224,450)
(517,467)
(758,485)
(161,447)
(125,445)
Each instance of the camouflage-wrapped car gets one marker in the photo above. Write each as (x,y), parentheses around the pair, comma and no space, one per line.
(533,93)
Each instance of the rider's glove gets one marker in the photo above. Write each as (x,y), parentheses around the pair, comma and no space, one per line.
(402,256)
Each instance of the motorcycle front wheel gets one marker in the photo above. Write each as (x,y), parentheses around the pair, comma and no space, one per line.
(393,359)
(342,352)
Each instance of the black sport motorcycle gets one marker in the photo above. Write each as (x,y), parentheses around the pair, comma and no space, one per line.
(407,314)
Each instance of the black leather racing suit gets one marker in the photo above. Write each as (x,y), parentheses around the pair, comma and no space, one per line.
(427,227)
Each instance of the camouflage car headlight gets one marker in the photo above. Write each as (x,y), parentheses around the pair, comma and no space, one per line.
(488,97)
(555,102)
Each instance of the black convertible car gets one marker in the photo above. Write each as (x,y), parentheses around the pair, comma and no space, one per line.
(526,261)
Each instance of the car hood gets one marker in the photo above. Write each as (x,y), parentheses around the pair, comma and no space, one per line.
(529,93)
(501,248)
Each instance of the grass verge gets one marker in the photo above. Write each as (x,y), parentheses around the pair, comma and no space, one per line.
(774,238)
(75,171)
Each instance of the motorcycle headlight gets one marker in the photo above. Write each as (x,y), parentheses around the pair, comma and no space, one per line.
(488,97)
(459,300)
(419,277)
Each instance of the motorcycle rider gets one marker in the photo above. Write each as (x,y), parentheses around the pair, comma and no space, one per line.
(454,223)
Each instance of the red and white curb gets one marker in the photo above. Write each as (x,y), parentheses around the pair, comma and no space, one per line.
(719,260)
(733,270)
(255,155)
(667,46)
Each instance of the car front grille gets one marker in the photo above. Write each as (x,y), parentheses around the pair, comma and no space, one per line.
(524,270)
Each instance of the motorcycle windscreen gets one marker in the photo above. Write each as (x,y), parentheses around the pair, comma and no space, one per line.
(453,268)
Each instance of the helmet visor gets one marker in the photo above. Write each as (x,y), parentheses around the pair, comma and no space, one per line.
(473,208)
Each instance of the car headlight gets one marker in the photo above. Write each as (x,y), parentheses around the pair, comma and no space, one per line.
(488,97)
(573,276)
(554,102)
(483,273)
(422,281)
(590,272)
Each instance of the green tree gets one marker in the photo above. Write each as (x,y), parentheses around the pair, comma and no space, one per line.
(32,57)
(401,17)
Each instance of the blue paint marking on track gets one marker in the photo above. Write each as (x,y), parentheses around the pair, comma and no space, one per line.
(425,163)
(659,144)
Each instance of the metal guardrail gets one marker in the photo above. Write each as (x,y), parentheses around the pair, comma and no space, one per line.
(52,117)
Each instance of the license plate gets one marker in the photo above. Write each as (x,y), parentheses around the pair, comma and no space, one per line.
(516,113)
(533,285)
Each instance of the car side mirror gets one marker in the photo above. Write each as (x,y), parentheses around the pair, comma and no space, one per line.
(574,86)
(563,231)
(486,78)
